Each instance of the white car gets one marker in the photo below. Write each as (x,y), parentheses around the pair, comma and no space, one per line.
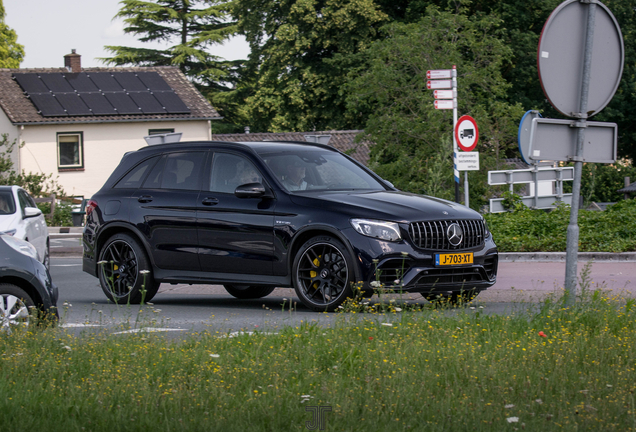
(21,218)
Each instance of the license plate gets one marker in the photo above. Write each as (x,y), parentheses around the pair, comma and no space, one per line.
(453,259)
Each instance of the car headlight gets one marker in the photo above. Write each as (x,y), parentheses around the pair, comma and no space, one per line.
(21,246)
(389,231)
(10,232)
(486,230)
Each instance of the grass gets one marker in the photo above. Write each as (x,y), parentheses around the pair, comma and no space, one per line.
(433,369)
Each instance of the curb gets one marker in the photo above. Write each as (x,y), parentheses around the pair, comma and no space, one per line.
(560,256)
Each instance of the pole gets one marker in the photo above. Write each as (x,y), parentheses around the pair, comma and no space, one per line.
(455,170)
(572,247)
(466,199)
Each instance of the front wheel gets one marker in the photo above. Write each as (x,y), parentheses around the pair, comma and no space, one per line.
(125,273)
(323,274)
(14,307)
(245,292)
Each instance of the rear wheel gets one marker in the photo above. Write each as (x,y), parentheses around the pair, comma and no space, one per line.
(245,292)
(125,273)
(14,307)
(323,274)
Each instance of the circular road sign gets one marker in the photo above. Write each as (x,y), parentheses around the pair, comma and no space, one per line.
(560,57)
(466,133)
(523,137)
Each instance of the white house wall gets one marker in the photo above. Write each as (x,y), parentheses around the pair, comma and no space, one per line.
(104,146)
(6,127)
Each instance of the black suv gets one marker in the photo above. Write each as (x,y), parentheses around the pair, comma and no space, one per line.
(253,216)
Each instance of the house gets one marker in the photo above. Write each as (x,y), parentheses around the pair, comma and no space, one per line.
(345,141)
(76,123)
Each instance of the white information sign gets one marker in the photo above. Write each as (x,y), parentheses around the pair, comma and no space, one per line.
(439,84)
(468,161)
(443,94)
(444,104)
(439,74)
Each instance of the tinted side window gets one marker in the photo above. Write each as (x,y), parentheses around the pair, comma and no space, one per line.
(24,200)
(7,205)
(177,171)
(134,178)
(230,171)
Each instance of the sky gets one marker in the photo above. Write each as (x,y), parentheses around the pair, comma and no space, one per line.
(49,29)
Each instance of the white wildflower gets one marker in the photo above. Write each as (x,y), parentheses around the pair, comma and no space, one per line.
(512,419)
(215,355)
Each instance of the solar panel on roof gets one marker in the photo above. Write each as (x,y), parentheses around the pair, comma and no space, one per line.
(153,81)
(73,104)
(171,102)
(97,103)
(147,102)
(123,103)
(129,81)
(31,83)
(81,82)
(100,93)
(105,82)
(56,82)
(47,104)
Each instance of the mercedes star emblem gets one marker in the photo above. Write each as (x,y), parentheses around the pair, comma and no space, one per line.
(455,234)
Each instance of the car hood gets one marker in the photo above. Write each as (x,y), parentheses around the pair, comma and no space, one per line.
(389,205)
(9,222)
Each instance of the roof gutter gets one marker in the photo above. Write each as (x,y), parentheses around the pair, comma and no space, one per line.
(113,121)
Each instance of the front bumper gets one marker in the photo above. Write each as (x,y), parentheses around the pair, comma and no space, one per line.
(392,266)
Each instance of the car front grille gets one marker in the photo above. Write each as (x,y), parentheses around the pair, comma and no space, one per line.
(432,234)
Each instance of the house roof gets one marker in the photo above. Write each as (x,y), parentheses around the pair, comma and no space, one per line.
(628,189)
(21,111)
(341,140)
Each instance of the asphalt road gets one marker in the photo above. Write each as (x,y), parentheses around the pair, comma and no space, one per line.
(196,308)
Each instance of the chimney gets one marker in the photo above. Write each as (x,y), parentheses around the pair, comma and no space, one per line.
(73,62)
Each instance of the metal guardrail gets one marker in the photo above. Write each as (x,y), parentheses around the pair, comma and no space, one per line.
(533,175)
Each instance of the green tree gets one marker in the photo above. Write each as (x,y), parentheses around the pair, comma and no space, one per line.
(192,26)
(11,52)
(300,58)
(391,92)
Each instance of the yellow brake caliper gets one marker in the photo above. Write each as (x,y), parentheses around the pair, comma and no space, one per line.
(116,267)
(313,274)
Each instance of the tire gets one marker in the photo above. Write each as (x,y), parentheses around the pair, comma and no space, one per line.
(121,274)
(323,273)
(451,299)
(14,307)
(246,292)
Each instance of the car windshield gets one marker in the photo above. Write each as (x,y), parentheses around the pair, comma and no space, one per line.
(318,169)
(7,204)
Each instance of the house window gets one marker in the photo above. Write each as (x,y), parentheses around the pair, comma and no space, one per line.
(70,150)
(160,131)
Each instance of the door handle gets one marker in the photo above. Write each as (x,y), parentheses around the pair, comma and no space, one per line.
(210,201)
(144,198)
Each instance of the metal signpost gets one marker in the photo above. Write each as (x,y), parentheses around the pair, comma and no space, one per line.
(466,135)
(446,99)
(580,62)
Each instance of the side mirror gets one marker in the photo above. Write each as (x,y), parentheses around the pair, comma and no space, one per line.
(30,212)
(251,190)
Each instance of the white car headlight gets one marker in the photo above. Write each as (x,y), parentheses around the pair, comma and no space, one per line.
(21,246)
(389,231)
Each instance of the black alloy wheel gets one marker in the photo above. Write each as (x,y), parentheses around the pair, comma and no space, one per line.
(323,274)
(125,273)
(246,292)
